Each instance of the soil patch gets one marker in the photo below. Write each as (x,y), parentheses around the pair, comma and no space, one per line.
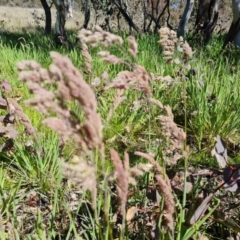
(18,18)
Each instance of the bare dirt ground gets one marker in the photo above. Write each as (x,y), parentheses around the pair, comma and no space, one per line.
(17,19)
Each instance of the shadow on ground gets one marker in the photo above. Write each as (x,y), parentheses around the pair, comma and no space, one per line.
(34,39)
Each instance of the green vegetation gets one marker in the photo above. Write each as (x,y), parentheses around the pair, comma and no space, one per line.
(41,199)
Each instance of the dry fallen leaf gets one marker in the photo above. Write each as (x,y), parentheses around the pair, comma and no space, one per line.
(131,213)
(180,187)
(220,152)
(231,176)
(201,209)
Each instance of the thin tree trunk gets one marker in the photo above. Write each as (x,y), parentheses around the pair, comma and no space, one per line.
(60,22)
(185,18)
(234,31)
(126,16)
(87,14)
(48,17)
(207,14)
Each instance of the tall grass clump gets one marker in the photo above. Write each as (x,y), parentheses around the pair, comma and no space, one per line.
(89,169)
(113,158)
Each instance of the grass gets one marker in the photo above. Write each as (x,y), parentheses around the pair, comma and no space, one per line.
(37,201)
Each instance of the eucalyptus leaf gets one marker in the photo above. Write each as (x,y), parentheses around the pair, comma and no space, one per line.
(231,176)
(201,209)
(220,152)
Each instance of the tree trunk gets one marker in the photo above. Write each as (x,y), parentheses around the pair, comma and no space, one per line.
(87,14)
(207,16)
(60,22)
(234,31)
(48,17)
(236,18)
(212,22)
(185,18)
(70,9)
